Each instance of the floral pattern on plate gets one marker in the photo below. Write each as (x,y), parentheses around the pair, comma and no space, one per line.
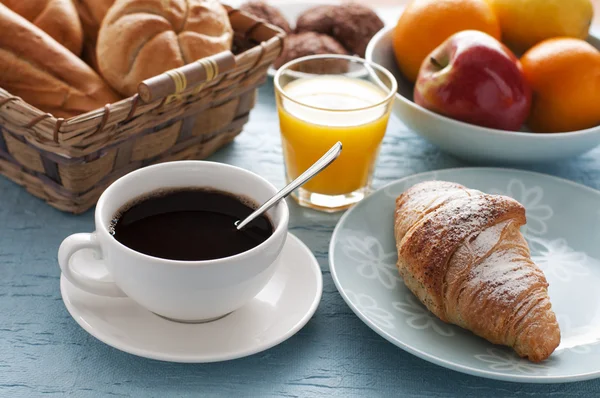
(370,308)
(538,213)
(372,262)
(557,259)
(567,329)
(506,361)
(417,316)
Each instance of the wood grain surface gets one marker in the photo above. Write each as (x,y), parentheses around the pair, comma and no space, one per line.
(43,352)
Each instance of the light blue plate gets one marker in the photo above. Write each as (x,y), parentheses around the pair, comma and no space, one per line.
(563,231)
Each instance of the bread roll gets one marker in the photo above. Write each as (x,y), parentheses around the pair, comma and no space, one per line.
(38,69)
(58,18)
(140,39)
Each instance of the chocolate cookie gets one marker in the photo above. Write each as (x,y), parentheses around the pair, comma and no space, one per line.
(354,25)
(312,43)
(316,19)
(267,13)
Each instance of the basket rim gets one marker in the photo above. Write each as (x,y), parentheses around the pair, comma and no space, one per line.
(44,130)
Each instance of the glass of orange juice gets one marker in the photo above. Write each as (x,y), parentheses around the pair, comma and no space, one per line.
(351,105)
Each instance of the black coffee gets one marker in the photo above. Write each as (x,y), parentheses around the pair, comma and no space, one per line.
(189,224)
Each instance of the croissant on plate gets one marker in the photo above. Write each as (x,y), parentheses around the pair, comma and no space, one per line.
(461,252)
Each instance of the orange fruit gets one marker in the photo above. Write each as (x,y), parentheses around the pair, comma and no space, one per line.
(564,75)
(525,23)
(425,24)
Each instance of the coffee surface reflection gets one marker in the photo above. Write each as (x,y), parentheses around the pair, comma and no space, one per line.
(189,224)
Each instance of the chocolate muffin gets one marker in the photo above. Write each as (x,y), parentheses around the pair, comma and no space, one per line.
(354,25)
(312,43)
(316,19)
(267,13)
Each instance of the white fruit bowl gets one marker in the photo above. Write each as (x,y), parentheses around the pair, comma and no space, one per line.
(471,142)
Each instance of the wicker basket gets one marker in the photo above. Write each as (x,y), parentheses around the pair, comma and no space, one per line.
(186,113)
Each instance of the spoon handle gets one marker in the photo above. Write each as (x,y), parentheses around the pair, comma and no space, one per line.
(312,171)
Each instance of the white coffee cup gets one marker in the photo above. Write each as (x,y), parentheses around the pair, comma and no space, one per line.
(186,291)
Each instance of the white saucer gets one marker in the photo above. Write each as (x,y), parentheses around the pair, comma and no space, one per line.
(281,309)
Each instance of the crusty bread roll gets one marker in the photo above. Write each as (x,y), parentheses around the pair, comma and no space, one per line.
(44,73)
(140,39)
(58,18)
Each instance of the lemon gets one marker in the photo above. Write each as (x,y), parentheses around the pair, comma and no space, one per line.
(525,23)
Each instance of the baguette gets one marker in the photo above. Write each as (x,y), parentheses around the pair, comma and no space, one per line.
(58,18)
(44,73)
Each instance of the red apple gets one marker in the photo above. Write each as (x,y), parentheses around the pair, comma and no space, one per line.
(474,78)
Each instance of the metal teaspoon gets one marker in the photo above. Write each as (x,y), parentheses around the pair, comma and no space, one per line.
(312,171)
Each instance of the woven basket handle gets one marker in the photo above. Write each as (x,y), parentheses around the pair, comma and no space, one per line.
(175,81)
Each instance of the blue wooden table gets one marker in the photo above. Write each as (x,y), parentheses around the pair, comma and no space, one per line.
(44,352)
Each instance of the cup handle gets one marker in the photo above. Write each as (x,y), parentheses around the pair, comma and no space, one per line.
(68,248)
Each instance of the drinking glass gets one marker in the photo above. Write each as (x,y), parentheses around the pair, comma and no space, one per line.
(350,103)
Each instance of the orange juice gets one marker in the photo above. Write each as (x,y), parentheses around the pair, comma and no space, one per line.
(316,113)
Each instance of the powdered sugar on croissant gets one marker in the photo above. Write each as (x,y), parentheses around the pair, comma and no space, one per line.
(461,253)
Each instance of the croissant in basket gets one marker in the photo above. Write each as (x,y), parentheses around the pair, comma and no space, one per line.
(461,253)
